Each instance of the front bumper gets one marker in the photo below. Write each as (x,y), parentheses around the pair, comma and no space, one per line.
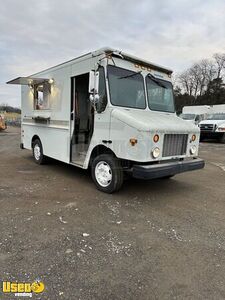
(166,169)
(211,134)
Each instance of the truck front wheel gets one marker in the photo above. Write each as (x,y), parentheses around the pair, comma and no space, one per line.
(107,173)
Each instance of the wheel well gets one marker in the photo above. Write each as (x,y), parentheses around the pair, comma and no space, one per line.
(35,137)
(100,149)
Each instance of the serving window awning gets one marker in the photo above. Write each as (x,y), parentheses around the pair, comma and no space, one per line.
(28,80)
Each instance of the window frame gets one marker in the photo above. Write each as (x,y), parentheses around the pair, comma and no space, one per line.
(35,96)
(104,82)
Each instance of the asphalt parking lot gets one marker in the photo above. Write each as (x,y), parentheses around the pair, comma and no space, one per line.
(160,239)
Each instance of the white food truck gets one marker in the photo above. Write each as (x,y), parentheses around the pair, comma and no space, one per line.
(109,111)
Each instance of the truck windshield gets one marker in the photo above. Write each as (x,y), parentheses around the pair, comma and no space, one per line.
(126,88)
(160,94)
(216,117)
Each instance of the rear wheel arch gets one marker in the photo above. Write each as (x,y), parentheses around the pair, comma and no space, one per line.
(34,138)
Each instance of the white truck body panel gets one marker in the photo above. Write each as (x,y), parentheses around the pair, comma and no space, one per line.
(196,109)
(204,109)
(218,108)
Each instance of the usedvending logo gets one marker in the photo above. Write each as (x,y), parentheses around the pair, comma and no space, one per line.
(23,289)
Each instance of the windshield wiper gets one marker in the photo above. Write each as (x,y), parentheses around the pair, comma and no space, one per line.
(153,78)
(131,75)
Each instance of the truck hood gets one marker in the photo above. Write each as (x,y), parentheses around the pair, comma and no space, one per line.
(144,120)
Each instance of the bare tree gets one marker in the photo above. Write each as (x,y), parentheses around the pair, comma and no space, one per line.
(195,73)
(207,74)
(195,80)
(202,83)
(186,82)
(220,63)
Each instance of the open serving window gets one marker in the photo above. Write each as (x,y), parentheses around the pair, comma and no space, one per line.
(40,87)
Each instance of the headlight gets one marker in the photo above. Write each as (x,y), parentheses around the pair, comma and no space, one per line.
(222,129)
(193,150)
(155,152)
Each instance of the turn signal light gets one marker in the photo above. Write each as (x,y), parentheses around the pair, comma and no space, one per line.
(193,138)
(133,142)
(156,138)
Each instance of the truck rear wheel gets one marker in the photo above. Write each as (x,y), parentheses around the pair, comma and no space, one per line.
(38,155)
(107,173)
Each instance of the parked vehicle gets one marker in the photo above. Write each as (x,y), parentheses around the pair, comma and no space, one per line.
(197,109)
(3,124)
(195,113)
(109,111)
(213,127)
(194,118)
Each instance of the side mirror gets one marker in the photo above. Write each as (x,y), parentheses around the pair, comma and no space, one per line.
(93,82)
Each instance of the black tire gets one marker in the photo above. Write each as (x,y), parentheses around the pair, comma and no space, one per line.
(222,139)
(112,168)
(39,159)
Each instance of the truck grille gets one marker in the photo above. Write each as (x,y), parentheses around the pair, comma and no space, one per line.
(174,144)
(207,127)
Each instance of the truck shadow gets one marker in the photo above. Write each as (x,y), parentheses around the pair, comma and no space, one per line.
(211,141)
(156,186)
(143,189)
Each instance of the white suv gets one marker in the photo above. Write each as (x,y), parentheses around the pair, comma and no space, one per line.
(213,127)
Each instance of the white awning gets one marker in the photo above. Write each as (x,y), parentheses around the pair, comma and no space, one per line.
(28,80)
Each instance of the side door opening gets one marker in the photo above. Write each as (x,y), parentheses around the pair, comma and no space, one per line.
(82,117)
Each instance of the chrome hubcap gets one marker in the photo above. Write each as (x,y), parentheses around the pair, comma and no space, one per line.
(103,174)
(37,152)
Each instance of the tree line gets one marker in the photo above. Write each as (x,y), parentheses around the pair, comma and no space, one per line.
(9,109)
(202,83)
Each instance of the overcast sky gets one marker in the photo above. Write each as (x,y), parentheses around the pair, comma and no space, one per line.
(38,34)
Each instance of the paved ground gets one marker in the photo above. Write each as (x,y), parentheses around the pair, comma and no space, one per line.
(161,239)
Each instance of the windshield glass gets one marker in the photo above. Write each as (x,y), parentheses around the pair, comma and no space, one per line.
(160,94)
(188,116)
(216,117)
(126,88)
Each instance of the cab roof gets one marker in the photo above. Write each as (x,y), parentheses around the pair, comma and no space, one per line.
(105,50)
(116,53)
